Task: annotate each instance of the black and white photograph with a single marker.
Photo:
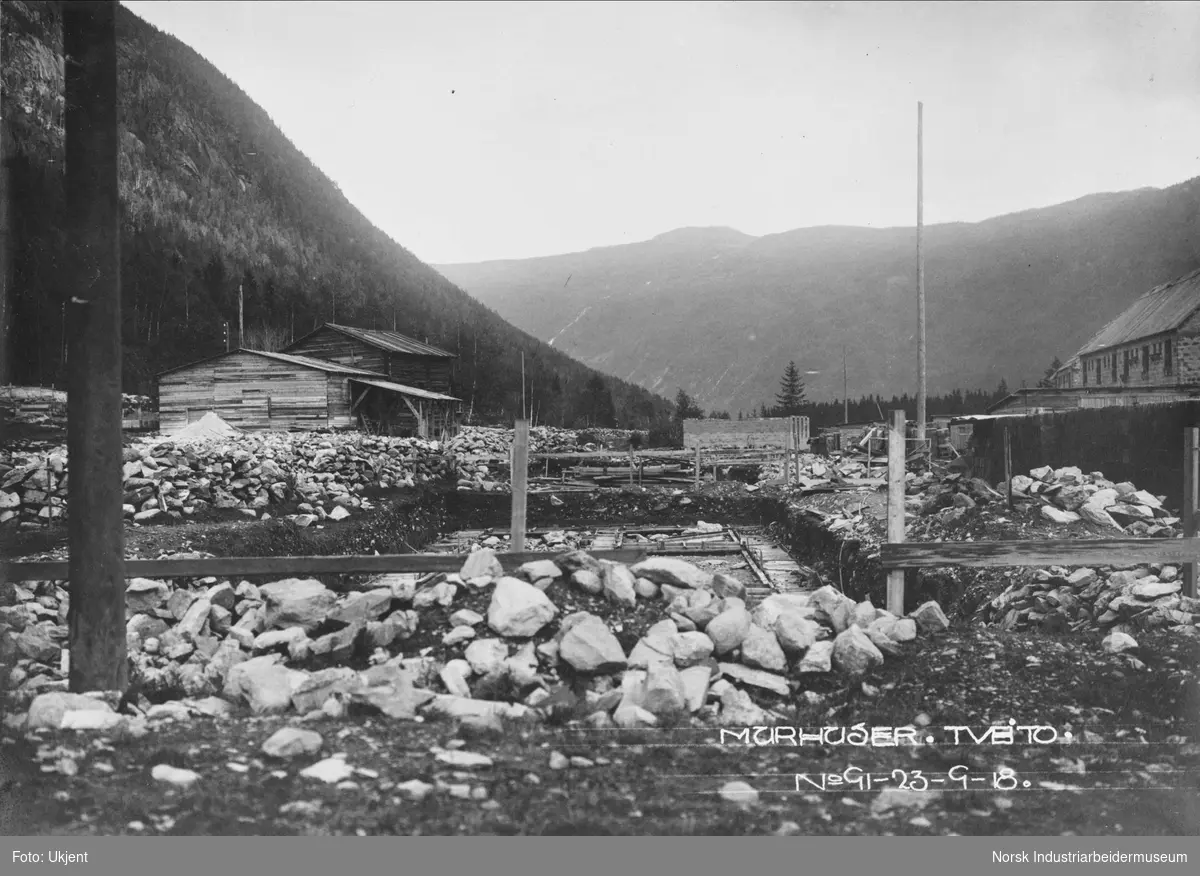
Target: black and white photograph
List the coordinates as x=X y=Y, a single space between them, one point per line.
x=574 y=419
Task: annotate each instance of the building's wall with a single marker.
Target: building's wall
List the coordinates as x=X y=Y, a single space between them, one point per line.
x=1148 y=359
x=333 y=346
x=248 y=391
x=1187 y=352
x=421 y=372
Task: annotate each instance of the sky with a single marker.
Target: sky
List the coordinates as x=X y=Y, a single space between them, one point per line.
x=471 y=131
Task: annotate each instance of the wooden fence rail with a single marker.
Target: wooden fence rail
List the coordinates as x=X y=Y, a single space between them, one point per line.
x=201 y=567
x=896 y=555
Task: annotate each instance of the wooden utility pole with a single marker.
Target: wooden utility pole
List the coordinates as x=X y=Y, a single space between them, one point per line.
x=920 y=275
x=523 y=415
x=845 y=389
x=895 y=509
x=96 y=564
x=519 y=479
x=241 y=322
x=1191 y=497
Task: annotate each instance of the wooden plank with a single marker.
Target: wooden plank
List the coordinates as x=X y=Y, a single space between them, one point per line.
x=1191 y=494
x=1065 y=552
x=96 y=616
x=520 y=482
x=895 y=509
x=335 y=565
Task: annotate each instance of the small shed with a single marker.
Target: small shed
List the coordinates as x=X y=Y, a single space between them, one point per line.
x=264 y=391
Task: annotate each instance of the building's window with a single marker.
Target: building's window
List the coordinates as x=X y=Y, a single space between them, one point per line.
x=1086 y=366
x=1145 y=363
x=1167 y=357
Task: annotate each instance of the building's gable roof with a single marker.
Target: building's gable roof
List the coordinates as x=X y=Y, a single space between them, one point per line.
x=1162 y=309
x=392 y=342
x=303 y=361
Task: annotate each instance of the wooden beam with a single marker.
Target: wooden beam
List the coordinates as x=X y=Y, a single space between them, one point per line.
x=1065 y=552
x=358 y=401
x=95 y=524
x=57 y=570
x=520 y=483
x=895 y=509
x=1191 y=497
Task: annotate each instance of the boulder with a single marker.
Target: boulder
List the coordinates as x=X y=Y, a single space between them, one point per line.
x=518 y=609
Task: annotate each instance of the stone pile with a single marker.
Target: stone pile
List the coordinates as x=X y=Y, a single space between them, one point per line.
x=818 y=471
x=1061 y=496
x=488 y=441
x=1141 y=598
x=227 y=646
x=327 y=473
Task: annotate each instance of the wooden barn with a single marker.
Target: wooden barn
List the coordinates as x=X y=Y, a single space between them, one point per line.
x=261 y=391
x=393 y=355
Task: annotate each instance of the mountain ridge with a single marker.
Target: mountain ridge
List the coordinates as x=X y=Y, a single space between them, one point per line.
x=1005 y=295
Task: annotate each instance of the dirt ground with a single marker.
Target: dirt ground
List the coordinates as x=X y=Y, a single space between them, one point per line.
x=1130 y=767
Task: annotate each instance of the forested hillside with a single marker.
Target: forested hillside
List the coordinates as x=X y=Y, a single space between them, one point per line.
x=216 y=197
x=721 y=313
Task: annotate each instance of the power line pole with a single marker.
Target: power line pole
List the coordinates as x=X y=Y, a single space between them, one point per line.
x=241 y=323
x=845 y=390
x=96 y=564
x=920 y=274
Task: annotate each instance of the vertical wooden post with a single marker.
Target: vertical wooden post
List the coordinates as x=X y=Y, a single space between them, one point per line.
x=96 y=616
x=631 y=465
x=520 y=477
x=1191 y=493
x=1008 y=466
x=697 y=465
x=895 y=509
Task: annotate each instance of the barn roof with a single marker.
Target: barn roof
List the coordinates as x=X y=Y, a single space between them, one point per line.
x=392 y=342
x=303 y=361
x=405 y=390
x=1162 y=309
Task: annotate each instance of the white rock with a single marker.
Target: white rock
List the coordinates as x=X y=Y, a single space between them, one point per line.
x=728 y=629
x=1117 y=643
x=486 y=656
x=818 y=658
x=48 y=710
x=690 y=649
x=756 y=678
x=289 y=742
x=795 y=632
x=619 y=583
x=539 y=569
x=174 y=776
x=739 y=793
x=330 y=770
x=664 y=690
x=696 y=681
x=590 y=646
x=481 y=564
x=1054 y=515
x=464 y=759
x=761 y=649
x=519 y=609
x=297 y=602
x=587 y=581
x=676 y=573
x=854 y=652
x=263 y=682
x=930 y=618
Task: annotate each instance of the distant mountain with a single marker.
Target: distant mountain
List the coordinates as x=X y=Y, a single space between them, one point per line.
x=215 y=196
x=721 y=313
